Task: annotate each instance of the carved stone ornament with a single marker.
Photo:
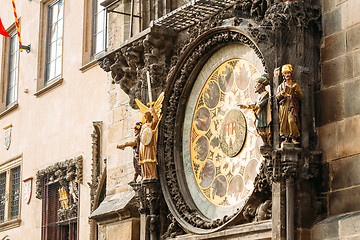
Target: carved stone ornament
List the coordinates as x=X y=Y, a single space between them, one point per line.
x=129 y=64
x=7 y=137
x=96 y=162
x=27 y=189
x=294 y=13
x=62 y=172
x=65 y=214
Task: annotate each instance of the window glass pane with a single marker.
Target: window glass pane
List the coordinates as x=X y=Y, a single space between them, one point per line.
x=52 y=52
x=53 y=12
x=15 y=193
x=60 y=10
x=2 y=196
x=58 y=67
x=51 y=70
x=99 y=28
x=100 y=22
x=60 y=28
x=59 y=48
x=99 y=42
x=11 y=93
x=53 y=32
x=54 y=42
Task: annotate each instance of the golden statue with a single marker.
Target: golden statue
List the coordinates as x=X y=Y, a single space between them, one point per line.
x=289 y=95
x=148 y=138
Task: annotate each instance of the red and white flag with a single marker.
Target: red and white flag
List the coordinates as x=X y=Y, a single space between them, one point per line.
x=2 y=30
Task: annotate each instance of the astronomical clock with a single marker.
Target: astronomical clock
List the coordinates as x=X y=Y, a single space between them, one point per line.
x=217 y=147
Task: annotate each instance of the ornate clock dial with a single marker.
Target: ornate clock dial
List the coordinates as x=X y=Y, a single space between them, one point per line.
x=220 y=143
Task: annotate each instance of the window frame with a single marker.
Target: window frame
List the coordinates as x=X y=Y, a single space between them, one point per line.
x=15 y=69
x=89 y=58
x=47 y=79
x=51 y=204
x=43 y=84
x=4 y=107
x=94 y=32
x=7 y=168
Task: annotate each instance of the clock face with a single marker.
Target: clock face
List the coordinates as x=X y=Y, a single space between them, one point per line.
x=220 y=142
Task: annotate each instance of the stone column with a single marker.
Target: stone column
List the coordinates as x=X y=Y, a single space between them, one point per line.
x=148 y=196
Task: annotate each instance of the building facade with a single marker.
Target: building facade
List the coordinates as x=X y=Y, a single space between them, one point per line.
x=220 y=174
x=53 y=119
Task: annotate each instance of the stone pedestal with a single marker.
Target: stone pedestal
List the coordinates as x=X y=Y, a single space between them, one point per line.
x=148 y=196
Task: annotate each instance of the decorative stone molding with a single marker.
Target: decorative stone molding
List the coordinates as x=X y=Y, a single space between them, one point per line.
x=148 y=195
x=95 y=163
x=69 y=213
x=62 y=172
x=294 y=13
x=128 y=65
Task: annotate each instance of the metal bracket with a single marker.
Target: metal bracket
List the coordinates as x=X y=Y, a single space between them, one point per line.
x=26 y=48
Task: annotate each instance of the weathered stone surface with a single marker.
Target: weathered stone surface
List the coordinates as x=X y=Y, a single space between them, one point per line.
x=337 y=70
x=356 y=66
x=348 y=133
x=120 y=114
x=326 y=229
x=334 y=46
x=116 y=132
x=350 y=13
x=338 y=2
x=340 y=201
x=328 y=5
x=329 y=105
x=332 y=21
x=345 y=172
x=260 y=230
x=328 y=141
x=352 y=40
x=350 y=226
x=352 y=98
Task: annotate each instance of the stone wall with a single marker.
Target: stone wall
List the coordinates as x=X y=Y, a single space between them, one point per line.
x=338 y=118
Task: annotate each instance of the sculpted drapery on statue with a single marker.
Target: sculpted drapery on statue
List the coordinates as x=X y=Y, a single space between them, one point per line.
x=148 y=138
x=261 y=109
x=288 y=95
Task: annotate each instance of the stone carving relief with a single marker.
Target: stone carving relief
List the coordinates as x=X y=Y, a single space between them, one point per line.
x=96 y=162
x=68 y=174
x=297 y=13
x=62 y=172
x=128 y=66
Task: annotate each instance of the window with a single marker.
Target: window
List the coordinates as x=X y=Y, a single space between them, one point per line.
x=49 y=72
x=54 y=41
x=10 y=189
x=94 y=33
x=52 y=225
x=9 y=72
x=99 y=27
x=11 y=90
x=58 y=188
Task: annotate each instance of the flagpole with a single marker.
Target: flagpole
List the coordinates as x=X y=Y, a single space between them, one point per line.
x=17 y=24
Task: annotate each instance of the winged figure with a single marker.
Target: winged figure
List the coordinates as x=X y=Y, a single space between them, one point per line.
x=148 y=138
x=157 y=106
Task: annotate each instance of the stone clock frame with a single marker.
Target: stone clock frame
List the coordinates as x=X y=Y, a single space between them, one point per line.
x=171 y=172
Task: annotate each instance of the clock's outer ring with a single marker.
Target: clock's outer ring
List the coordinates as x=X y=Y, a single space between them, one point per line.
x=180 y=80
